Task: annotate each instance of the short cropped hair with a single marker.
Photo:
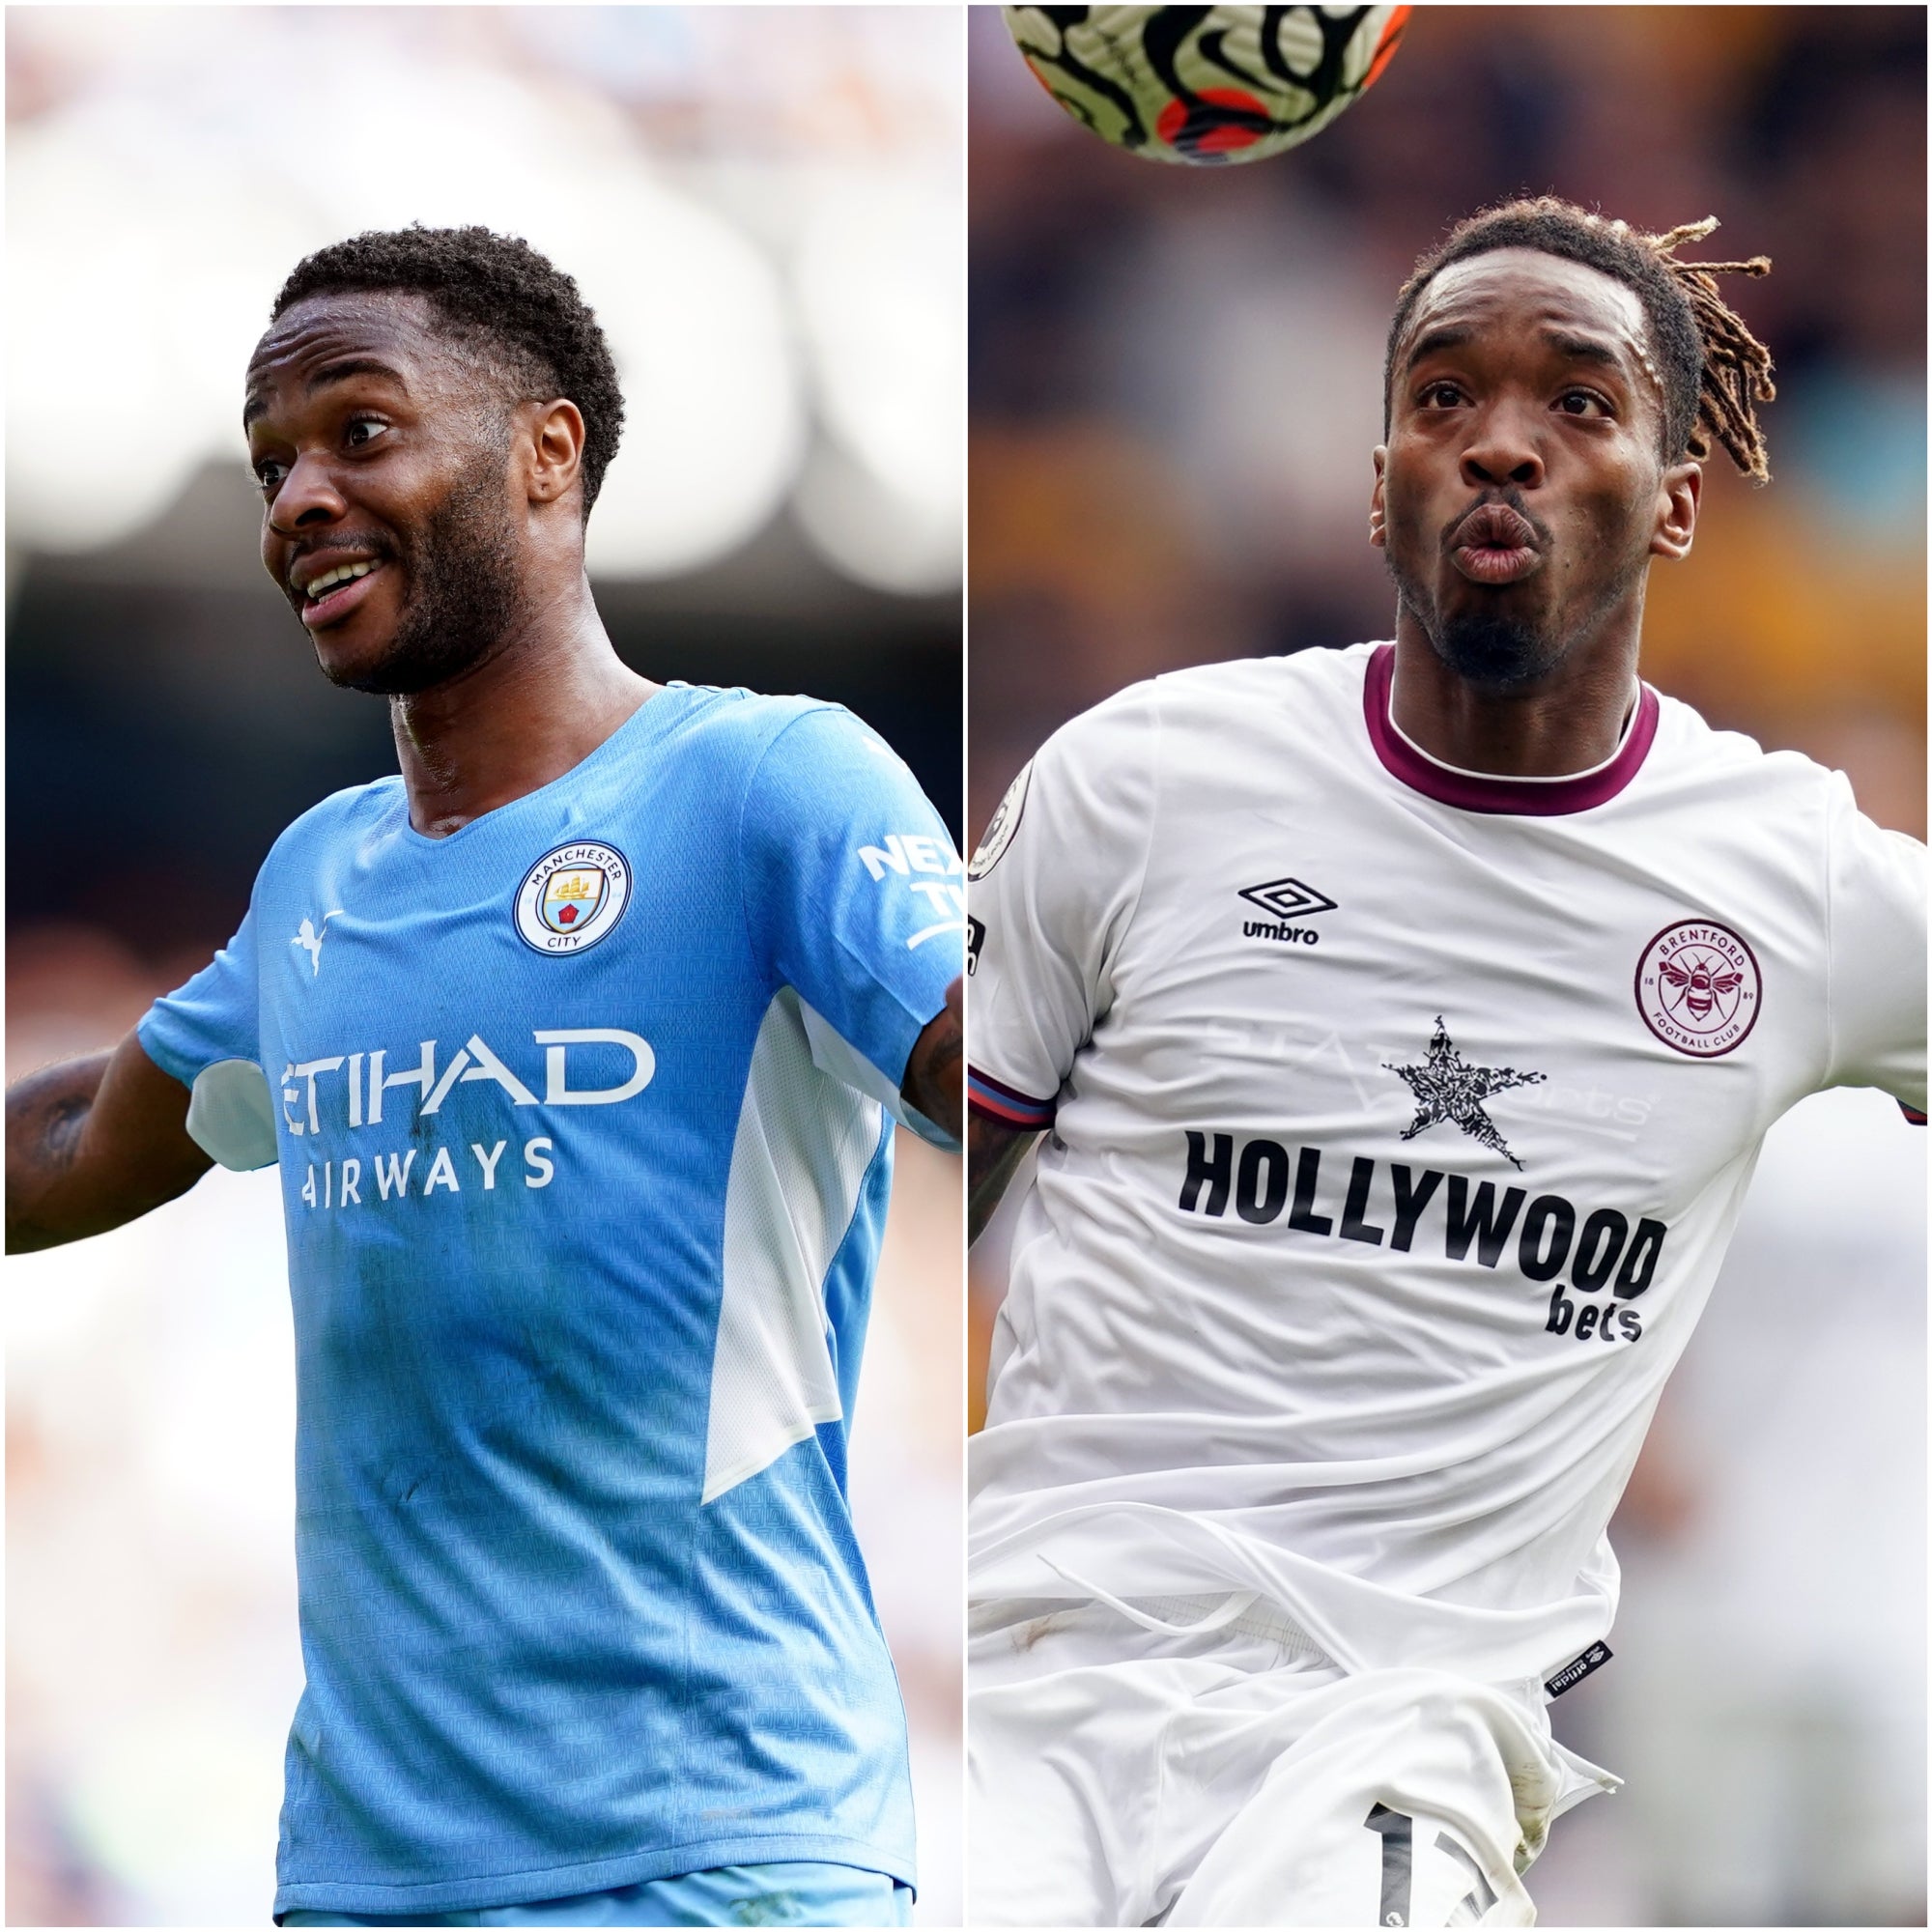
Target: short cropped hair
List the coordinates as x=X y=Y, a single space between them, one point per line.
x=495 y=293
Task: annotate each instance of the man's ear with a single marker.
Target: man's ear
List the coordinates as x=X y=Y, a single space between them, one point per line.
x=556 y=450
x=1377 y=529
x=1677 y=493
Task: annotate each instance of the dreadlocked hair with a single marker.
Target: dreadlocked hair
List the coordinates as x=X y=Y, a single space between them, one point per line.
x=494 y=293
x=1713 y=370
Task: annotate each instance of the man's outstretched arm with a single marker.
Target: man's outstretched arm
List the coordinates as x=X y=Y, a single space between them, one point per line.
x=91 y=1143
x=933 y=1082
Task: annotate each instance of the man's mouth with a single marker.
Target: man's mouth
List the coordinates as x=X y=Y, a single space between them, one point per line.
x=1494 y=544
x=331 y=594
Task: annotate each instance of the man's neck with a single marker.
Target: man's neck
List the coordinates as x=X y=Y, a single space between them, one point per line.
x=1569 y=721
x=537 y=706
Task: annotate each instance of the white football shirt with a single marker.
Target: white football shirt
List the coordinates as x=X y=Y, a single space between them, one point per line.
x=1399 y=1118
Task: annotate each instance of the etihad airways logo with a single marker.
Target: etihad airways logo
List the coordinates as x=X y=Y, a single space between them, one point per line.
x=583 y=1066
x=356 y=1087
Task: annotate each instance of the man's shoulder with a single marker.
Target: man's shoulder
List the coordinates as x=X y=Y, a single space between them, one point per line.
x=729 y=725
x=347 y=812
x=1302 y=677
x=1692 y=754
x=735 y=711
x=1329 y=671
x=1205 y=701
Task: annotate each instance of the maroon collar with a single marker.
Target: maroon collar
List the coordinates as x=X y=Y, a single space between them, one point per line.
x=1475 y=791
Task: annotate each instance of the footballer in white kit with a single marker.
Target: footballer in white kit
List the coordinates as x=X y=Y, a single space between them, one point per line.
x=1398 y=1108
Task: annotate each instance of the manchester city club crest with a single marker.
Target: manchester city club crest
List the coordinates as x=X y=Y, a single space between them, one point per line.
x=1698 y=989
x=573 y=896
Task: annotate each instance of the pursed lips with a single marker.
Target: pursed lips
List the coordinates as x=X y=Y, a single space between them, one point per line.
x=1495 y=545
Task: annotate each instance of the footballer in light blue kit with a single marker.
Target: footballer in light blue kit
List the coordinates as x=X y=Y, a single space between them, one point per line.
x=580 y=1045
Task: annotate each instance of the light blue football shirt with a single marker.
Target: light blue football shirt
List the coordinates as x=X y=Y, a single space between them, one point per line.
x=582 y=1120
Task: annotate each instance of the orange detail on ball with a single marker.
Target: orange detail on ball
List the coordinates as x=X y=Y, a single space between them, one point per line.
x=1221 y=140
x=1385 y=47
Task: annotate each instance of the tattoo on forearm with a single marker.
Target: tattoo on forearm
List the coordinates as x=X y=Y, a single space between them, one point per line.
x=61 y=1129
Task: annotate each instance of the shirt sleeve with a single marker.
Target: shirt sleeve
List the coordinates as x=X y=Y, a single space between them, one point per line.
x=1053 y=887
x=207 y=1035
x=1876 y=956
x=855 y=898
x=213 y=1017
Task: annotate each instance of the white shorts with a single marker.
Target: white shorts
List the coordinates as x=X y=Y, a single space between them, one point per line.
x=1126 y=1776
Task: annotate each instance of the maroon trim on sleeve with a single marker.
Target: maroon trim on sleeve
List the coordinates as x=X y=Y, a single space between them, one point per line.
x=1912 y=1113
x=1005 y=1104
x=1469 y=791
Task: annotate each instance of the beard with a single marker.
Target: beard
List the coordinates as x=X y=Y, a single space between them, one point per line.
x=466 y=589
x=1502 y=650
x=1488 y=648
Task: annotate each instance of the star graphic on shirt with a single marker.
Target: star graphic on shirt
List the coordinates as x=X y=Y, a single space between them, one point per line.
x=1447 y=1088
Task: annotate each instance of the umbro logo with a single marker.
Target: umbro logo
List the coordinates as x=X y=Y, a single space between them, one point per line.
x=1286 y=900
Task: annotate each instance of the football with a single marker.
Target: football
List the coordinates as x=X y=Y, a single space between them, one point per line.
x=1205 y=85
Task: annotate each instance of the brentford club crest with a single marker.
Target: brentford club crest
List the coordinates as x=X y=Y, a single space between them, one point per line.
x=573 y=896
x=1698 y=989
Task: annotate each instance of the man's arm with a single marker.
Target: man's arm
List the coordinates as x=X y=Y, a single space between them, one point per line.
x=932 y=1081
x=994 y=1152
x=92 y=1143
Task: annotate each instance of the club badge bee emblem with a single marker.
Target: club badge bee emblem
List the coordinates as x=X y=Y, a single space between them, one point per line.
x=1698 y=989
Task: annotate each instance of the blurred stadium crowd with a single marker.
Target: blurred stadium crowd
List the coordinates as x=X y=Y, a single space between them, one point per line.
x=1175 y=381
x=764 y=206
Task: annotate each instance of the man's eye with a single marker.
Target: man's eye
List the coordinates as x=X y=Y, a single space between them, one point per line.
x=362 y=431
x=269 y=473
x=1582 y=402
x=1439 y=396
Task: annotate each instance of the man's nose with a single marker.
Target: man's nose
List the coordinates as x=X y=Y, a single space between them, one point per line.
x=1502 y=451
x=308 y=497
